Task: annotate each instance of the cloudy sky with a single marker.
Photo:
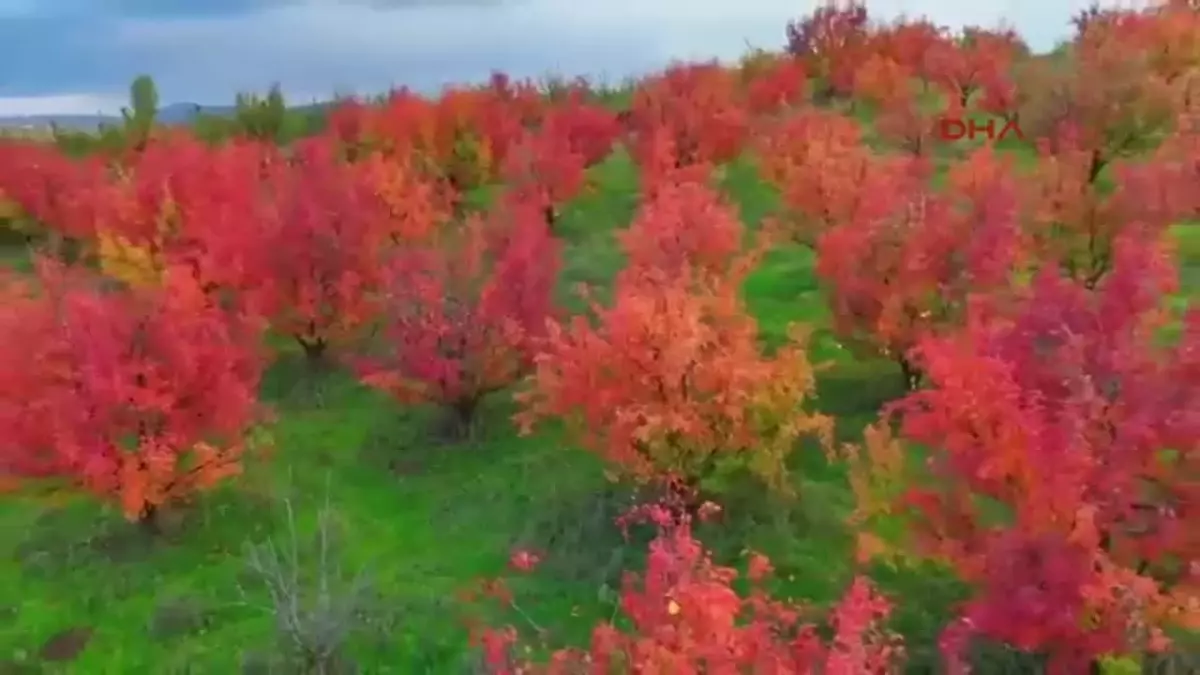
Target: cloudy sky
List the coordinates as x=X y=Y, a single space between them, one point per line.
x=78 y=56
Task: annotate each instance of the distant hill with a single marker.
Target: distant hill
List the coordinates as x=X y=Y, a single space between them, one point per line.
x=176 y=113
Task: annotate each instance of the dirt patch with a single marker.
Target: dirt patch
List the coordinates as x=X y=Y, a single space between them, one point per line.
x=66 y=645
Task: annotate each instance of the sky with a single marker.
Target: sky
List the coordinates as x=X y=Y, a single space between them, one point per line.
x=78 y=56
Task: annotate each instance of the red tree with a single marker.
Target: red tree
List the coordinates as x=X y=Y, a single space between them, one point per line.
x=683 y=617
x=181 y=202
x=589 y=130
x=65 y=195
x=697 y=107
x=977 y=60
x=775 y=84
x=545 y=170
x=1064 y=450
x=461 y=315
x=320 y=254
x=141 y=397
x=1074 y=220
x=908 y=266
x=832 y=42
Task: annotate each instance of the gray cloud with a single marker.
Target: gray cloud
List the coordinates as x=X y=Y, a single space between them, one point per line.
x=207 y=51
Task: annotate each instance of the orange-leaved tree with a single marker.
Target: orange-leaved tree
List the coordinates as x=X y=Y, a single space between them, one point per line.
x=1107 y=99
x=140 y=397
x=687 y=228
x=818 y=161
x=459 y=139
x=461 y=315
x=1063 y=445
x=669 y=382
x=1074 y=220
x=902 y=117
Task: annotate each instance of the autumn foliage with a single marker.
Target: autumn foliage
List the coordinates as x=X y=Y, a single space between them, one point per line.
x=695 y=108
x=184 y=204
x=907 y=263
x=682 y=615
x=817 y=161
x=48 y=187
x=832 y=42
x=320 y=255
x=1067 y=413
x=670 y=382
x=462 y=315
x=1043 y=452
x=138 y=398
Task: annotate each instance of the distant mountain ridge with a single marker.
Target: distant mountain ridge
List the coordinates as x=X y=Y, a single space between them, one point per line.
x=176 y=113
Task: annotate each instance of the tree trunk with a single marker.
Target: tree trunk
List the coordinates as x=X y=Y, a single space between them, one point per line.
x=912 y=375
x=314 y=350
x=462 y=419
x=550 y=214
x=149 y=522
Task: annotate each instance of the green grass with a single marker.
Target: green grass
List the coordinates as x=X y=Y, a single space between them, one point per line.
x=426 y=519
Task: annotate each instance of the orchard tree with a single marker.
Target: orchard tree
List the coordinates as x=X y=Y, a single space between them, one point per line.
x=825 y=174
x=775 y=84
x=1074 y=220
x=832 y=42
x=589 y=130
x=696 y=107
x=320 y=262
x=661 y=166
x=141 y=398
x=1060 y=479
x=909 y=267
x=686 y=229
x=461 y=138
x=69 y=198
x=462 y=315
x=544 y=170
x=910 y=44
x=184 y=203
x=1106 y=99
x=975 y=61
x=669 y=383
x=901 y=116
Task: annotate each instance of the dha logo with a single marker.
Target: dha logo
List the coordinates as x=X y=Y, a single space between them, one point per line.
x=953 y=129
